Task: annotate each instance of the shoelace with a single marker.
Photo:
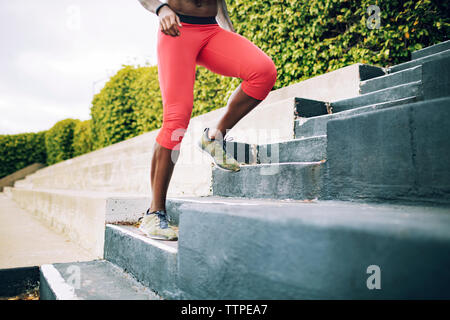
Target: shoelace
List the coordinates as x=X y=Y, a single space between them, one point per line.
x=227 y=139
x=163 y=218
x=163 y=221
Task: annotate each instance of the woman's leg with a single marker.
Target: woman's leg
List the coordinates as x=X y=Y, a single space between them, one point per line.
x=176 y=73
x=161 y=173
x=230 y=54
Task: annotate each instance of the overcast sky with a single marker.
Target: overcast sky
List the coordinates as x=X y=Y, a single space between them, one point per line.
x=55 y=53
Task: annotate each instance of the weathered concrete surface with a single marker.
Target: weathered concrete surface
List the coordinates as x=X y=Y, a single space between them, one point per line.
x=391 y=80
x=9 y=180
x=419 y=61
x=289 y=180
x=308 y=108
x=439 y=47
x=80 y=216
x=399 y=153
x=313 y=251
x=7 y=192
x=27 y=241
x=266 y=123
x=273 y=119
x=412 y=89
x=316 y=126
x=152 y=262
x=98 y=280
x=296 y=150
x=436 y=78
x=335 y=85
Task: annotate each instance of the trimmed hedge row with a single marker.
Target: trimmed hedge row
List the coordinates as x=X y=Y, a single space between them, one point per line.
x=66 y=139
x=59 y=141
x=309 y=38
x=18 y=151
x=82 y=138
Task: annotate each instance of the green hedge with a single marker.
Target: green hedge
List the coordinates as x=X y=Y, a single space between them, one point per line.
x=112 y=111
x=309 y=38
x=82 y=138
x=304 y=38
x=66 y=139
x=59 y=141
x=20 y=150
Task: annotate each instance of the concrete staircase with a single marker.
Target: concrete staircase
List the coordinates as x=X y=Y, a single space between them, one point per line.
x=79 y=195
x=352 y=188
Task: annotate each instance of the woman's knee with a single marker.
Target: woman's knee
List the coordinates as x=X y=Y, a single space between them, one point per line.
x=172 y=131
x=261 y=80
x=269 y=71
x=264 y=72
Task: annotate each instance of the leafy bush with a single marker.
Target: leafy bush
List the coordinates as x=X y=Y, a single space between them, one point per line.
x=20 y=150
x=112 y=111
x=59 y=141
x=82 y=138
x=309 y=38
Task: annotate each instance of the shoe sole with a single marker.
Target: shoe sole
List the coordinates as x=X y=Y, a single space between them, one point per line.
x=214 y=160
x=155 y=237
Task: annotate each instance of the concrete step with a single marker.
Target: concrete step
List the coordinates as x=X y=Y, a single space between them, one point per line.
x=23 y=183
x=8 y=181
x=93 y=280
x=308 y=108
x=152 y=262
x=7 y=191
x=273 y=120
x=385 y=95
x=395 y=154
x=443 y=46
x=419 y=61
x=292 y=150
x=317 y=126
x=81 y=215
x=317 y=250
x=391 y=80
x=289 y=180
x=436 y=78
x=296 y=150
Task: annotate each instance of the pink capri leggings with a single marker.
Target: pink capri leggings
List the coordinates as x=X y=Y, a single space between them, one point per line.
x=205 y=43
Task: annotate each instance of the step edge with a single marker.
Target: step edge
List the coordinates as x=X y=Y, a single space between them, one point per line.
x=390 y=74
x=57 y=284
x=424 y=50
x=411 y=84
x=318 y=137
x=415 y=60
x=344 y=113
x=149 y=241
x=305 y=163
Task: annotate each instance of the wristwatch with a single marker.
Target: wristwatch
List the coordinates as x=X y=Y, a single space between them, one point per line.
x=160 y=6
